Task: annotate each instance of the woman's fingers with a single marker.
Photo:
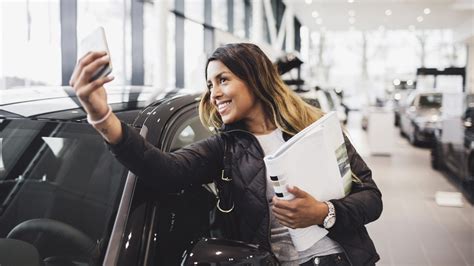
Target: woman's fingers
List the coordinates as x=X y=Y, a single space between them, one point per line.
x=84 y=62
x=91 y=68
x=83 y=92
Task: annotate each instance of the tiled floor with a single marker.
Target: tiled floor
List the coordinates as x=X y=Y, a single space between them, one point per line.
x=413 y=229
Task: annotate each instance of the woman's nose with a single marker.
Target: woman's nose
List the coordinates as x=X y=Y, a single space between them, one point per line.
x=215 y=92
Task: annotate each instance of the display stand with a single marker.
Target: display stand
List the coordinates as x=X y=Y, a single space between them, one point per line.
x=381 y=131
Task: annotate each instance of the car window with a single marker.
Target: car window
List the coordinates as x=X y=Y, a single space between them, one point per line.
x=59 y=188
x=189 y=130
x=430 y=101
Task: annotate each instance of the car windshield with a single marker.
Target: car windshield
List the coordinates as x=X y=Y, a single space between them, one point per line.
x=59 y=188
x=430 y=101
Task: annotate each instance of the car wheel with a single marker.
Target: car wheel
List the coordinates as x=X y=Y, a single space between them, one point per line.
x=436 y=161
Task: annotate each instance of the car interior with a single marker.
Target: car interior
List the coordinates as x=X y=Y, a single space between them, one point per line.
x=59 y=200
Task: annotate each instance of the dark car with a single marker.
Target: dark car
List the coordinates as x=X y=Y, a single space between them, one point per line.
x=457 y=155
x=421 y=116
x=65 y=200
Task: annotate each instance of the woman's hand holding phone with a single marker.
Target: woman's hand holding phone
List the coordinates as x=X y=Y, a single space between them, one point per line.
x=93 y=97
x=91 y=94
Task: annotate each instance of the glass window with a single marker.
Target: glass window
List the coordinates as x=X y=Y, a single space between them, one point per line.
x=194 y=9
x=114 y=16
x=194 y=56
x=239 y=18
x=31 y=43
x=190 y=131
x=151 y=38
x=430 y=101
x=71 y=177
x=219 y=14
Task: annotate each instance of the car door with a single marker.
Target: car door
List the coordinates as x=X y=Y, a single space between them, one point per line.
x=161 y=225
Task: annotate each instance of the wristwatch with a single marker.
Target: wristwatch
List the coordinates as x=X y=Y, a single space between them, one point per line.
x=330 y=220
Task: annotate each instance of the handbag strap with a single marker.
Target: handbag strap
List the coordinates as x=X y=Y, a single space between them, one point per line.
x=225 y=203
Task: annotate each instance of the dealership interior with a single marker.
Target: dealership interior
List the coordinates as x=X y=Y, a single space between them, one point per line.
x=399 y=74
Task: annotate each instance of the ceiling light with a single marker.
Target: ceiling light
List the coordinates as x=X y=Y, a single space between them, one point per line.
x=351 y=13
x=409 y=82
x=396 y=82
x=411 y=28
x=315 y=14
x=350 y=1
x=427 y=11
x=319 y=21
x=419 y=19
x=352 y=20
x=309 y=2
x=388 y=12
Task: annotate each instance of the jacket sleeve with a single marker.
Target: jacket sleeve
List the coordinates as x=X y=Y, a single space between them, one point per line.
x=364 y=203
x=197 y=163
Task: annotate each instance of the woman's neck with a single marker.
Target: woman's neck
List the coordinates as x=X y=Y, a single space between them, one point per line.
x=260 y=127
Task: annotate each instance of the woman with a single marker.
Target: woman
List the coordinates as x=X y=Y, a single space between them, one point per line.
x=255 y=113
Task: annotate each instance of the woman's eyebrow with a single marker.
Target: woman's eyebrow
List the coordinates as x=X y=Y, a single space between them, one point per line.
x=218 y=75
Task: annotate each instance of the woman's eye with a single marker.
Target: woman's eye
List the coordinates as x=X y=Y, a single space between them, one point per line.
x=222 y=80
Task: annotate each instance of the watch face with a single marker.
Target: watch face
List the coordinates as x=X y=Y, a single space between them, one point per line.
x=330 y=222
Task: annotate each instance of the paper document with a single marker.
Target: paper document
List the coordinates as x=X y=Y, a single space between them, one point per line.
x=316 y=161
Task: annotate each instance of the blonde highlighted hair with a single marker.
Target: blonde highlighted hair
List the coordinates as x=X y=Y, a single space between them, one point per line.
x=247 y=61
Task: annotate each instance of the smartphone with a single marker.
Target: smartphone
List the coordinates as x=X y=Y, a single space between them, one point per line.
x=96 y=41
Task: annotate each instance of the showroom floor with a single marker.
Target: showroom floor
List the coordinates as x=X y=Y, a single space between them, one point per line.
x=413 y=229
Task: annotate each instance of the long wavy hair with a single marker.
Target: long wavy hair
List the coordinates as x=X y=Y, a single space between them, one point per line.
x=247 y=61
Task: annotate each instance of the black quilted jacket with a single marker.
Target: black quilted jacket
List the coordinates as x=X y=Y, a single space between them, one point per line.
x=203 y=162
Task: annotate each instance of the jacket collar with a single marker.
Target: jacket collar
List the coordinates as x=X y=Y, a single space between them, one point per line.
x=239 y=125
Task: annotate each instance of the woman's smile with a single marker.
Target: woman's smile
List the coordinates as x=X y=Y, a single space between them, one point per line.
x=223 y=106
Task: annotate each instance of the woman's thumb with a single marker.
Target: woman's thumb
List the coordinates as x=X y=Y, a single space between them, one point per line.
x=296 y=191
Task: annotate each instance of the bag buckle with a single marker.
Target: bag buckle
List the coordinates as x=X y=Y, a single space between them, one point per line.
x=225 y=178
x=222 y=210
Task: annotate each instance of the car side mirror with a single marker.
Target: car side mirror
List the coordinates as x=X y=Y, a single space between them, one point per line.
x=212 y=251
x=17 y=252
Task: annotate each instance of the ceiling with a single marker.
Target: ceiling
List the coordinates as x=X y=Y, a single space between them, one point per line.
x=336 y=15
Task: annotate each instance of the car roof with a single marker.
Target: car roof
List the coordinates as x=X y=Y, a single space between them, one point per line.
x=61 y=102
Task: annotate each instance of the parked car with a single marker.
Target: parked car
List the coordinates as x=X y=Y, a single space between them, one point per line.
x=401 y=90
x=65 y=200
x=457 y=155
x=420 y=116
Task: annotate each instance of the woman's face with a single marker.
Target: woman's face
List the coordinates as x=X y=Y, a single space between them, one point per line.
x=230 y=95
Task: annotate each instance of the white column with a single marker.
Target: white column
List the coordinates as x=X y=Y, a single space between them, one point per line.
x=290 y=29
x=470 y=67
x=257 y=21
x=160 y=69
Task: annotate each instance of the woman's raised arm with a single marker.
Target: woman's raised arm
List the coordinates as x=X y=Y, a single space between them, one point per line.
x=93 y=96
